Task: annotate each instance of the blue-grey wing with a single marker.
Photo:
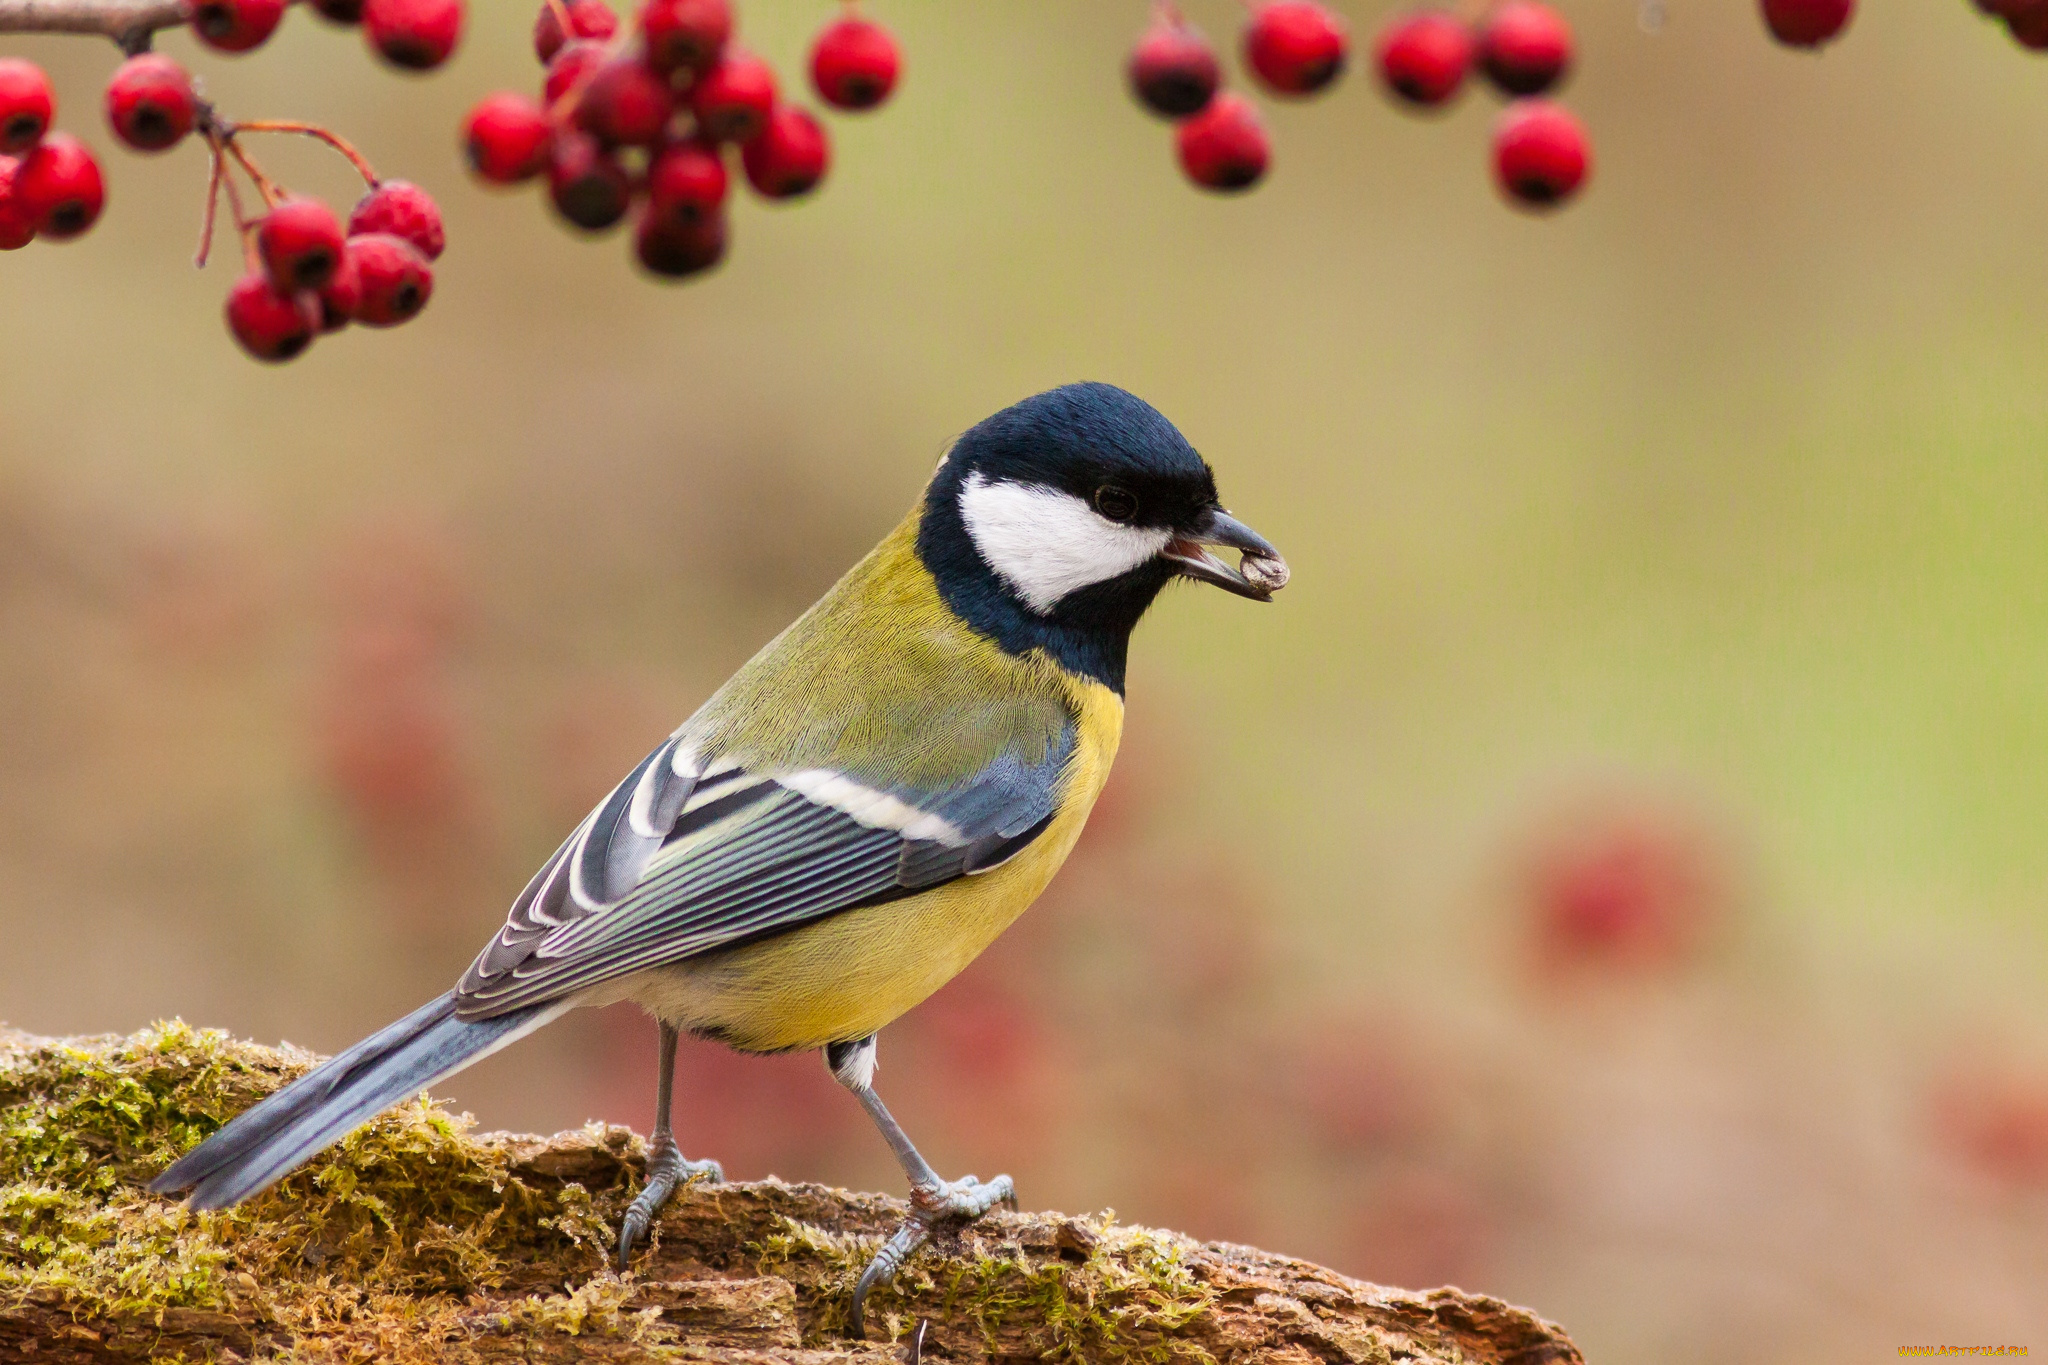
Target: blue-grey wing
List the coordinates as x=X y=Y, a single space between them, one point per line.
x=686 y=856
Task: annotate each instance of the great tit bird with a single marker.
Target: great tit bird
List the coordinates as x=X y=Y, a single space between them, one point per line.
x=850 y=819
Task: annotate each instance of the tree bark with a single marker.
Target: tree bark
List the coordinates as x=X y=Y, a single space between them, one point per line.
x=415 y=1241
x=127 y=22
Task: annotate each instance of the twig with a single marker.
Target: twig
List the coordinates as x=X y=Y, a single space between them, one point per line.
x=217 y=172
x=128 y=22
x=332 y=139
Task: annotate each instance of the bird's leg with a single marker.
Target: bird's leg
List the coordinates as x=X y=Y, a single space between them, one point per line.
x=665 y=1162
x=934 y=1203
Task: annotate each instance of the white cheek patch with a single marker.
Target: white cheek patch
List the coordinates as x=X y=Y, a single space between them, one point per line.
x=1045 y=543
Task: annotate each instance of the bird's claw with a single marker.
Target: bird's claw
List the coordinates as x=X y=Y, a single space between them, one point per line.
x=666 y=1168
x=953 y=1204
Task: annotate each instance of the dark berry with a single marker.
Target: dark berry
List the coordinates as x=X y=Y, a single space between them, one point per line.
x=789 y=156
x=26 y=105
x=1295 y=46
x=339 y=11
x=150 y=102
x=734 y=99
x=1807 y=23
x=341 y=296
x=234 y=25
x=402 y=209
x=854 y=64
x=673 y=251
x=2029 y=26
x=1540 y=153
x=592 y=19
x=626 y=104
x=685 y=35
x=686 y=183
x=59 y=186
x=1173 y=69
x=1525 y=47
x=1224 y=147
x=418 y=35
x=17 y=227
x=586 y=183
x=506 y=138
x=572 y=63
x=396 y=279
x=1423 y=56
x=301 y=243
x=272 y=325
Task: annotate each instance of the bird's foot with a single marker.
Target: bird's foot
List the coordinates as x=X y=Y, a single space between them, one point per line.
x=952 y=1205
x=666 y=1168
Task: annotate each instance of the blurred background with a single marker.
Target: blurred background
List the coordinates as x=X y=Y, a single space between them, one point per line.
x=1614 y=875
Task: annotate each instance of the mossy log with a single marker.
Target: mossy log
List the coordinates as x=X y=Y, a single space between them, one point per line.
x=416 y=1241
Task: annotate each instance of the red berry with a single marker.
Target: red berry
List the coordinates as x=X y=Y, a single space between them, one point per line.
x=59 y=186
x=396 y=279
x=402 y=209
x=790 y=155
x=341 y=296
x=587 y=19
x=854 y=64
x=1295 y=46
x=506 y=137
x=234 y=25
x=17 y=227
x=418 y=35
x=26 y=105
x=571 y=65
x=150 y=102
x=685 y=34
x=626 y=104
x=673 y=251
x=586 y=182
x=1173 y=68
x=686 y=184
x=1807 y=23
x=2029 y=26
x=340 y=11
x=734 y=99
x=271 y=324
x=1423 y=56
x=1525 y=46
x=300 y=242
x=1539 y=152
x=1224 y=147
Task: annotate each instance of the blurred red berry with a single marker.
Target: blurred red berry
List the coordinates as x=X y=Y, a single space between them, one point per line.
x=686 y=184
x=301 y=243
x=1540 y=153
x=1636 y=889
x=234 y=25
x=150 y=102
x=339 y=11
x=572 y=64
x=1173 y=69
x=1423 y=56
x=1995 y=1119
x=402 y=209
x=418 y=35
x=26 y=105
x=271 y=324
x=59 y=186
x=854 y=64
x=17 y=227
x=1525 y=47
x=586 y=183
x=1807 y=23
x=506 y=138
x=675 y=251
x=2029 y=25
x=1295 y=46
x=396 y=279
x=685 y=35
x=592 y=19
x=735 y=98
x=341 y=295
x=626 y=104
x=1224 y=147
x=790 y=155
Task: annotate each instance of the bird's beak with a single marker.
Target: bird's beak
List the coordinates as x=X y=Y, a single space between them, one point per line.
x=1261 y=571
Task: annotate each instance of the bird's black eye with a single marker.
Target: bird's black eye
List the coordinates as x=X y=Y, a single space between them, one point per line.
x=1118 y=504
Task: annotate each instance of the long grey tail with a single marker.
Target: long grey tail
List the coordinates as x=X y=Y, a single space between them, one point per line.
x=274 y=1138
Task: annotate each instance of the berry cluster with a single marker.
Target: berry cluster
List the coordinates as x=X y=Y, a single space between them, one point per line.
x=417 y=35
x=652 y=116
x=50 y=185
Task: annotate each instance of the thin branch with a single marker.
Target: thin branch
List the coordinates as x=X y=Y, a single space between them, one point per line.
x=128 y=22
x=332 y=139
